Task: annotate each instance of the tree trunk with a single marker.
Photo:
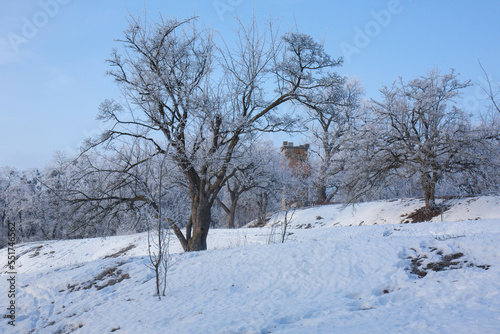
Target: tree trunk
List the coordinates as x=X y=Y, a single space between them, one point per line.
x=321 y=193
x=325 y=165
x=262 y=202
x=429 y=187
x=200 y=219
x=232 y=209
x=232 y=214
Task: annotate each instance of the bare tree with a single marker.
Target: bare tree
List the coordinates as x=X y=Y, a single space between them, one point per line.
x=287 y=219
x=334 y=112
x=159 y=241
x=205 y=101
x=421 y=132
x=258 y=169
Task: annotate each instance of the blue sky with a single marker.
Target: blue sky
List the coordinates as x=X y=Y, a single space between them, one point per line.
x=53 y=52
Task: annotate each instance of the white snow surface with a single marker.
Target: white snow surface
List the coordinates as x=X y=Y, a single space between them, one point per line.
x=388 y=212
x=333 y=278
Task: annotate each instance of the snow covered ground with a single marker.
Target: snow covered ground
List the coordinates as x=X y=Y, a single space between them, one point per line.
x=390 y=212
x=380 y=277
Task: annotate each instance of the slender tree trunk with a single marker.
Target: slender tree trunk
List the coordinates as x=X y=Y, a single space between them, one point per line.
x=232 y=214
x=262 y=202
x=235 y=196
x=321 y=187
x=231 y=211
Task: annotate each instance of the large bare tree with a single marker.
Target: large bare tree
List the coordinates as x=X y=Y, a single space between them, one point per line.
x=422 y=132
x=204 y=99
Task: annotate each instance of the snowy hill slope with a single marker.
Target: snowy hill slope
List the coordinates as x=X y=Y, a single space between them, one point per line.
x=414 y=278
x=390 y=212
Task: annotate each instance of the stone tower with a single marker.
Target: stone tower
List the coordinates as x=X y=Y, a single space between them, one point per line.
x=297 y=162
x=297 y=158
